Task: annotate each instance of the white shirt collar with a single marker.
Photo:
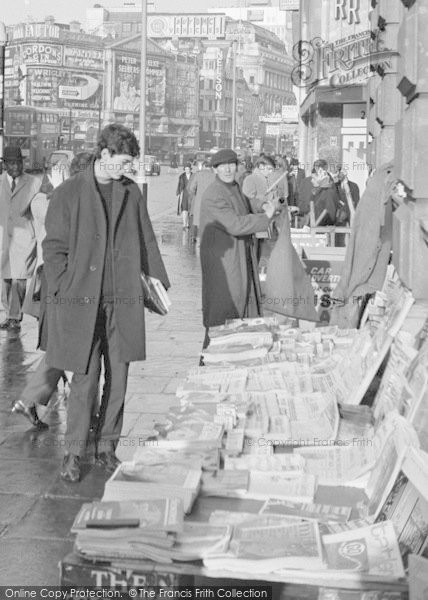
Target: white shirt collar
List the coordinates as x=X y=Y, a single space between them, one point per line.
x=10 y=179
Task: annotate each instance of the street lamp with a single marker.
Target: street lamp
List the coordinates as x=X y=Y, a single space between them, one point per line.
x=3 y=40
x=141 y=178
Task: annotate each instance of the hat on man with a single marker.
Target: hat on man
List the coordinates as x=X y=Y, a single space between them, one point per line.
x=224 y=156
x=12 y=153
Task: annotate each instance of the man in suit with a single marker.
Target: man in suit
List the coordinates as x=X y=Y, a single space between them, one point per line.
x=295 y=177
x=17 y=235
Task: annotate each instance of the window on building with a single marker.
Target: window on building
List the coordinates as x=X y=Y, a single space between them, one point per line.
x=126 y=27
x=252 y=79
x=139 y=26
x=210 y=105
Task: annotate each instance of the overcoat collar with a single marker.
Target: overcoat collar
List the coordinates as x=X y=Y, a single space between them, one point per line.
x=22 y=181
x=120 y=194
x=237 y=197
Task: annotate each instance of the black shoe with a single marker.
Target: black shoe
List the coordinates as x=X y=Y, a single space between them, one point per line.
x=14 y=325
x=70 y=470
x=108 y=460
x=30 y=413
x=5 y=324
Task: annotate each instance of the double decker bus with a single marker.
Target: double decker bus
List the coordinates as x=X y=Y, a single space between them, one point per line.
x=35 y=130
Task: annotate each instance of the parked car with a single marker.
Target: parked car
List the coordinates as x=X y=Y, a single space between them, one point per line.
x=152 y=165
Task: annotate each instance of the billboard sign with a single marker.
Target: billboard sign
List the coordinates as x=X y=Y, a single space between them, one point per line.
x=127 y=78
x=41 y=54
x=187 y=26
x=289 y=4
x=83 y=58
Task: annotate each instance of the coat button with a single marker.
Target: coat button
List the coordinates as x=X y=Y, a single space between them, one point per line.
x=86 y=299
x=98 y=237
x=92 y=268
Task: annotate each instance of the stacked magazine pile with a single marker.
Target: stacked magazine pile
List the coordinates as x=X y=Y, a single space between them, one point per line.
x=134 y=481
x=128 y=528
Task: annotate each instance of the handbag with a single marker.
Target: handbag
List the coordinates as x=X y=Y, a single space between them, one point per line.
x=154 y=298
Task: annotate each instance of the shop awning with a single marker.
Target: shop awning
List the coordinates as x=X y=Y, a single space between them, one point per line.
x=333 y=95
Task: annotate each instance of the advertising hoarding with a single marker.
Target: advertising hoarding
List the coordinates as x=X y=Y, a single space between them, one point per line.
x=127 y=91
x=192 y=26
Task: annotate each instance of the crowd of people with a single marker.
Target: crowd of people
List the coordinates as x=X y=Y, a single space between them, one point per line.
x=73 y=249
x=325 y=197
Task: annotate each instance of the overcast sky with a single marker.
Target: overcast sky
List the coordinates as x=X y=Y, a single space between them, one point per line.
x=64 y=11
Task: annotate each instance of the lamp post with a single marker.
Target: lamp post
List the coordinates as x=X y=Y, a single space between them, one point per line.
x=3 y=40
x=233 y=95
x=141 y=177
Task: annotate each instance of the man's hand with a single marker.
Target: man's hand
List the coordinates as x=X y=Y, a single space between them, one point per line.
x=269 y=208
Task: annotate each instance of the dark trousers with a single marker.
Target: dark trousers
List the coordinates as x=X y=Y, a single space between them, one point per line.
x=12 y=296
x=43 y=383
x=84 y=387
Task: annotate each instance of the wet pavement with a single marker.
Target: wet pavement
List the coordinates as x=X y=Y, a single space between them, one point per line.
x=36 y=507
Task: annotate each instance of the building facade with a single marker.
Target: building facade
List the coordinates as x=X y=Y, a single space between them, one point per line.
x=55 y=66
x=217 y=42
x=336 y=46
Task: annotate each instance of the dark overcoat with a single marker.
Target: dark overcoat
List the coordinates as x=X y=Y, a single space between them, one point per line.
x=74 y=251
x=227 y=226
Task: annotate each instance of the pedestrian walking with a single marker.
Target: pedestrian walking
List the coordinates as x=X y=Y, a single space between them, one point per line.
x=99 y=238
x=320 y=191
x=44 y=380
x=197 y=186
x=183 y=194
x=17 y=235
x=230 y=281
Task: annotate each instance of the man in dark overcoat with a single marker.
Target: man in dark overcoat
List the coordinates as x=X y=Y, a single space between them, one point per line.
x=98 y=240
x=230 y=281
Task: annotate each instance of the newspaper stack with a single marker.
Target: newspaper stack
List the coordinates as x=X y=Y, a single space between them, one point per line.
x=190 y=427
x=128 y=529
x=207 y=459
x=133 y=481
x=263 y=544
x=238 y=347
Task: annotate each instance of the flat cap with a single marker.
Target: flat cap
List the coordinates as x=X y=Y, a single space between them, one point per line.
x=12 y=153
x=223 y=157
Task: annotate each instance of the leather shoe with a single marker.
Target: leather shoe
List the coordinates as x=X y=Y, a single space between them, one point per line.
x=30 y=413
x=5 y=324
x=70 y=470
x=14 y=325
x=107 y=460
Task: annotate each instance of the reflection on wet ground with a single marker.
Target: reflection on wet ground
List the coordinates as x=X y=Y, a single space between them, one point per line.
x=36 y=507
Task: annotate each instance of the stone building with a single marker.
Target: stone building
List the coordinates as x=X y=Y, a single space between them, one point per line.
x=336 y=47
x=398 y=128
x=57 y=66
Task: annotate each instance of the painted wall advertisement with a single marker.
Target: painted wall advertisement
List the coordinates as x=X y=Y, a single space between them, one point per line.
x=35 y=73
x=127 y=91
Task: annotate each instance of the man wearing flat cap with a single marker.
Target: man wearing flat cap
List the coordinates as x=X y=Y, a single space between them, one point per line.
x=17 y=236
x=230 y=282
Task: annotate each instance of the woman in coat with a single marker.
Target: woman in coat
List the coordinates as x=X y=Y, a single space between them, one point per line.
x=44 y=380
x=184 y=195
